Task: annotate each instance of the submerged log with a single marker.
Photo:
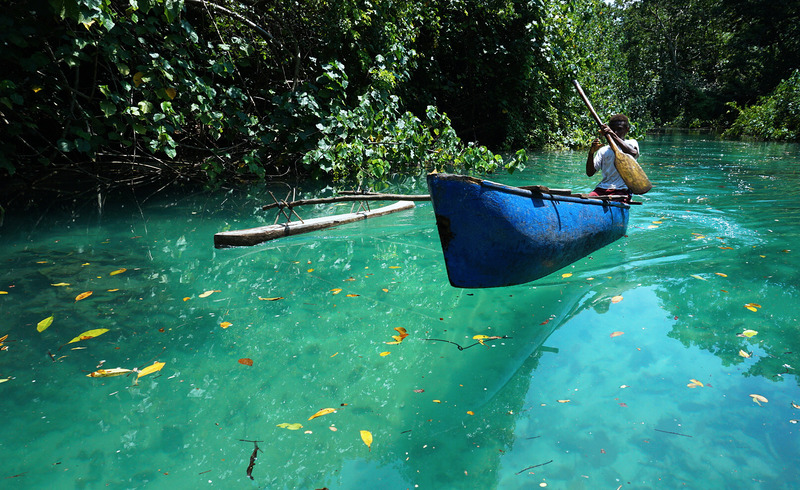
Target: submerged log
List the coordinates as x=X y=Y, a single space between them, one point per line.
x=254 y=236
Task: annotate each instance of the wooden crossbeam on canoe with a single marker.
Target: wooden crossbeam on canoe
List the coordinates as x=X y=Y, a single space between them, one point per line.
x=254 y=236
x=347 y=198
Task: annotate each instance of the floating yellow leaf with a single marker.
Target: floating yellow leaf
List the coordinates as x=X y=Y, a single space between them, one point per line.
x=60 y=284
x=83 y=295
x=3 y=292
x=566 y=275
x=386 y=353
x=366 y=436
x=758 y=399
x=480 y=337
x=156 y=366
x=720 y=274
x=744 y=354
x=394 y=267
x=336 y=290
x=206 y=294
x=795 y=405
x=749 y=333
x=4 y=380
x=310 y=270
x=107 y=373
x=112 y=290
x=616 y=334
x=42 y=325
x=225 y=324
x=470 y=412
x=437 y=401
x=698 y=383
x=187 y=298
x=118 y=271
x=290 y=426
x=352 y=295
x=699 y=277
x=616 y=299
x=324 y=411
x=89 y=334
x=564 y=401
x=271 y=299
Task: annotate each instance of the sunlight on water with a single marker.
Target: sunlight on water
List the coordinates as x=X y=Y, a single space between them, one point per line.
x=558 y=400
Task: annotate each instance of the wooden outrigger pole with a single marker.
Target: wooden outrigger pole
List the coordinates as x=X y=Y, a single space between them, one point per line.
x=254 y=236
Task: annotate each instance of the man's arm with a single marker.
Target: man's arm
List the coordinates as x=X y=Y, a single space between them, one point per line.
x=590 y=170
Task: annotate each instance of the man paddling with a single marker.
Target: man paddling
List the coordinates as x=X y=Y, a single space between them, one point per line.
x=602 y=158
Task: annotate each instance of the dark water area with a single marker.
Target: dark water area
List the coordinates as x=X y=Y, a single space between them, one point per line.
x=665 y=360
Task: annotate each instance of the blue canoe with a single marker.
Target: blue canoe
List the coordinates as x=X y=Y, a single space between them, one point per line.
x=496 y=235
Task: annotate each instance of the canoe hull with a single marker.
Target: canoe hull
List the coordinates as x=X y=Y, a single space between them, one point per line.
x=494 y=235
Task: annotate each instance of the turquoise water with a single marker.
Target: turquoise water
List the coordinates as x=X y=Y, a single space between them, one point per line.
x=563 y=402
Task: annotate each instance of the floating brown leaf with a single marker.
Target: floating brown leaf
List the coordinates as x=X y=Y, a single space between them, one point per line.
x=246 y=361
x=616 y=334
x=270 y=299
x=83 y=295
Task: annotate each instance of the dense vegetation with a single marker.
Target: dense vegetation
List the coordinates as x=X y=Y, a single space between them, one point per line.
x=116 y=92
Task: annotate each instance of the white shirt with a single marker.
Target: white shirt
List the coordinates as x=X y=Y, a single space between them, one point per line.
x=604 y=161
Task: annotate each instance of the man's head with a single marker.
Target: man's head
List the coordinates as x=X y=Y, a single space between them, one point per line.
x=619 y=124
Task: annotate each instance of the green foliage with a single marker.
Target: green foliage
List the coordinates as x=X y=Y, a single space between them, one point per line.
x=776 y=117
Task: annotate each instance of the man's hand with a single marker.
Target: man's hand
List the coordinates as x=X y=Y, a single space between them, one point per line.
x=596 y=145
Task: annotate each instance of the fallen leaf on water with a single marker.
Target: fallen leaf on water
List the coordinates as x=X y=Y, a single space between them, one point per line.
x=60 y=284
x=418 y=390
x=470 y=412
x=616 y=334
x=83 y=295
x=699 y=277
x=107 y=373
x=748 y=333
x=336 y=290
x=310 y=270
x=616 y=299
x=720 y=274
x=437 y=401
x=698 y=383
x=480 y=337
x=324 y=411
x=744 y=354
x=206 y=294
x=225 y=324
x=112 y=290
x=366 y=436
x=286 y=425
x=386 y=353
x=4 y=380
x=42 y=325
x=394 y=267
x=564 y=401
x=246 y=361
x=566 y=275
x=726 y=248
x=118 y=271
x=795 y=405
x=271 y=299
x=333 y=429
x=156 y=366
x=89 y=334
x=351 y=295
x=187 y=298
x=758 y=399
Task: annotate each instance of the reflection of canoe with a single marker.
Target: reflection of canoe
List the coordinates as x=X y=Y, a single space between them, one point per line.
x=254 y=236
x=497 y=235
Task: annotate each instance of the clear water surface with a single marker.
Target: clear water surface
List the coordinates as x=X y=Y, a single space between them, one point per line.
x=628 y=373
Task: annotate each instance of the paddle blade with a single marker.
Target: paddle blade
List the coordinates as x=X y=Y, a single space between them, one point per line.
x=631 y=173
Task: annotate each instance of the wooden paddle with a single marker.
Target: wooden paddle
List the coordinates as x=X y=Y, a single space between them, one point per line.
x=626 y=165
